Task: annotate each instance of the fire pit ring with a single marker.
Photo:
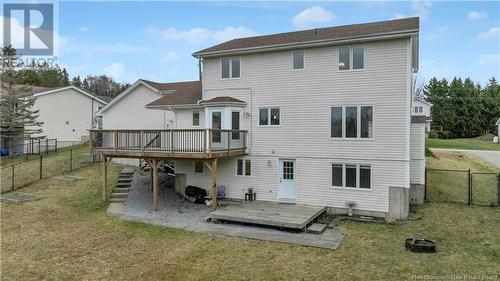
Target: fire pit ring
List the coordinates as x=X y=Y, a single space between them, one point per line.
x=420 y=245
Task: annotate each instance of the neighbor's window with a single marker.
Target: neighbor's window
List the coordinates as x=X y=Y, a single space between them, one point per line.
x=230 y=68
x=198 y=167
x=269 y=116
x=337 y=177
x=354 y=122
x=298 y=59
x=351 y=58
x=420 y=109
x=356 y=176
x=196 y=118
x=243 y=167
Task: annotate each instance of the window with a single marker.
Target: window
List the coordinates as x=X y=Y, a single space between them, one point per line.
x=230 y=68
x=269 y=116
x=351 y=58
x=198 y=167
x=243 y=167
x=352 y=122
x=351 y=176
x=235 y=124
x=420 y=109
x=196 y=118
x=366 y=122
x=336 y=122
x=298 y=59
x=337 y=175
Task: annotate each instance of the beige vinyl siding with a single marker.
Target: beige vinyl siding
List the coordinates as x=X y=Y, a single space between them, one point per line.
x=304 y=98
x=184 y=118
x=417 y=153
x=130 y=113
x=69 y=106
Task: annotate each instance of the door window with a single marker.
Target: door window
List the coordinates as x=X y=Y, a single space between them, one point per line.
x=216 y=125
x=288 y=170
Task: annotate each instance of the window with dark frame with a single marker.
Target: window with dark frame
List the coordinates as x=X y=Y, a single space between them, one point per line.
x=269 y=116
x=239 y=167
x=198 y=167
x=196 y=118
x=230 y=67
x=248 y=167
x=243 y=167
x=235 y=124
x=351 y=122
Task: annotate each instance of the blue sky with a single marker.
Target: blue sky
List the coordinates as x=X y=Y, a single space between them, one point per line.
x=155 y=40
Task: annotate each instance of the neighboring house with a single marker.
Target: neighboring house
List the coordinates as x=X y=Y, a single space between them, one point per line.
x=127 y=110
x=67 y=114
x=320 y=116
x=498 y=129
x=420 y=107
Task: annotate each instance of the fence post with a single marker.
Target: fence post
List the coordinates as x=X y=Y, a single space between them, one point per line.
x=41 y=163
x=71 y=160
x=425 y=184
x=46 y=146
x=39 y=149
x=13 y=176
x=56 y=146
x=498 y=186
x=469 y=183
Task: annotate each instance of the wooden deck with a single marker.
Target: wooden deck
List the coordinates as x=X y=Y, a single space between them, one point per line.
x=169 y=144
x=271 y=214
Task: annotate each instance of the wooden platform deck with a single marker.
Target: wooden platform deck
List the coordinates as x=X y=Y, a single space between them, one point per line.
x=271 y=214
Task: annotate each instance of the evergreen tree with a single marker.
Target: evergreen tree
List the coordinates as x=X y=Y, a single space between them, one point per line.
x=76 y=81
x=64 y=77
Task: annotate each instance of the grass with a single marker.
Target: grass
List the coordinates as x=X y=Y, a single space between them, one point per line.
x=67 y=236
x=452 y=186
x=27 y=170
x=473 y=144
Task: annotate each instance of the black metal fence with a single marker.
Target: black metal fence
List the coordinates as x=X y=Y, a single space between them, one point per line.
x=462 y=186
x=26 y=171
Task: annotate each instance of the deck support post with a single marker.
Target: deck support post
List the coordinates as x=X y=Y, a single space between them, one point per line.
x=105 y=162
x=154 y=164
x=212 y=166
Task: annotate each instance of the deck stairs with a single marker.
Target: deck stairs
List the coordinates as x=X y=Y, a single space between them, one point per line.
x=122 y=187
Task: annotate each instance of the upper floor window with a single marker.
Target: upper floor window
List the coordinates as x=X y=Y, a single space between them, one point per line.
x=196 y=118
x=298 y=59
x=351 y=122
x=230 y=68
x=269 y=116
x=351 y=58
x=418 y=109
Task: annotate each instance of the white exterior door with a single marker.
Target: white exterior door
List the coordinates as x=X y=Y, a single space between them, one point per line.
x=286 y=176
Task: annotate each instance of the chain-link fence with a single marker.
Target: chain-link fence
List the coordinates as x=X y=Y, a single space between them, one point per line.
x=462 y=186
x=17 y=175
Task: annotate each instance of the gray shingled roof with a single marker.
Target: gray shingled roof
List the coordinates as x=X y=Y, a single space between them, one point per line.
x=178 y=93
x=314 y=35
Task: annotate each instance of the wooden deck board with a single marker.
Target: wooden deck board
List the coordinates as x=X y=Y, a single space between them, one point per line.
x=271 y=214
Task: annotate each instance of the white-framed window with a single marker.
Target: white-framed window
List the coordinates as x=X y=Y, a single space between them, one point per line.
x=243 y=167
x=196 y=118
x=198 y=167
x=297 y=60
x=269 y=116
x=418 y=109
x=230 y=68
x=351 y=58
x=351 y=176
x=351 y=122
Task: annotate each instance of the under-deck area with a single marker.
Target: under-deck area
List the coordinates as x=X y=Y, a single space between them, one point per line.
x=270 y=214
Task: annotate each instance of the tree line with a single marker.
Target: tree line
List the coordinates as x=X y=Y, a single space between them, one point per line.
x=55 y=76
x=463 y=108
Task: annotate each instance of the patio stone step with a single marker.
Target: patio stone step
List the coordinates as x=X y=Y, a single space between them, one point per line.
x=122 y=189
x=316 y=228
x=127 y=180
x=117 y=200
x=119 y=195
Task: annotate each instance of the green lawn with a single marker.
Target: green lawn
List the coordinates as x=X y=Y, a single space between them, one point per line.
x=462 y=144
x=27 y=170
x=68 y=236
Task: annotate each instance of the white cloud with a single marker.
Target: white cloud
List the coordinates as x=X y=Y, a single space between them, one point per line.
x=421 y=8
x=118 y=72
x=83 y=29
x=198 y=34
x=489 y=59
x=313 y=15
x=476 y=16
x=492 y=33
x=170 y=56
x=70 y=45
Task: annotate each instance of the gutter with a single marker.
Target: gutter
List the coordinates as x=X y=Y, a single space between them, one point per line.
x=310 y=44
